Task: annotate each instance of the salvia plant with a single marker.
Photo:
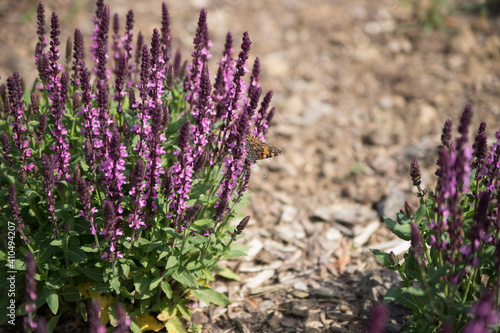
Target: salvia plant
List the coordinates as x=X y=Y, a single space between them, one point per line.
x=450 y=275
x=119 y=180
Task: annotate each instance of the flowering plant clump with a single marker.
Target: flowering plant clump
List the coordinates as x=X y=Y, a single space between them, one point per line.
x=119 y=179
x=450 y=275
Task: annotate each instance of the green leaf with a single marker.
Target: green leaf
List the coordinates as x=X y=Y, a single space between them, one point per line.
x=52 y=300
x=402 y=218
x=227 y=273
x=416 y=291
x=93 y=273
x=174 y=325
x=165 y=286
x=420 y=214
x=208 y=295
x=185 y=278
x=125 y=269
x=393 y=294
x=383 y=257
x=52 y=323
x=55 y=281
x=71 y=294
x=76 y=255
x=115 y=284
x=155 y=283
x=56 y=242
x=234 y=254
x=402 y=231
x=141 y=284
x=171 y=262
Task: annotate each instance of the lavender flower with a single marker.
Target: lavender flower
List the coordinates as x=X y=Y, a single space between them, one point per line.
x=29 y=323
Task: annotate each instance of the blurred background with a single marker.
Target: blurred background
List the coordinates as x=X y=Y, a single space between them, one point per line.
x=361 y=88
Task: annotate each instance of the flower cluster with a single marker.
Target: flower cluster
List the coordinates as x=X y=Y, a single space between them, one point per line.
x=455 y=253
x=110 y=192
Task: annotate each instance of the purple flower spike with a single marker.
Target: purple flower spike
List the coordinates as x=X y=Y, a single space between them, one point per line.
x=378 y=319
x=446 y=134
x=15 y=213
x=29 y=323
x=119 y=84
x=88 y=211
x=113 y=168
x=200 y=55
x=48 y=167
x=137 y=186
x=78 y=56
x=7 y=155
x=112 y=230
x=182 y=172
x=95 y=322
x=485 y=314
x=261 y=123
x=122 y=320
x=155 y=152
x=480 y=148
x=203 y=114
x=241 y=226
x=415 y=172
x=17 y=110
x=128 y=46
x=42 y=42
x=480 y=231
x=254 y=78
x=416 y=243
x=165 y=32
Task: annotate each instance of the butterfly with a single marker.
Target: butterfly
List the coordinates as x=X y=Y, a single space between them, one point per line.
x=258 y=150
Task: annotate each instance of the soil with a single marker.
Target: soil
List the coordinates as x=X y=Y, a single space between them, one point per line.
x=360 y=90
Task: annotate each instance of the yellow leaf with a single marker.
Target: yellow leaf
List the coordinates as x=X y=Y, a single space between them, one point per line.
x=83 y=289
x=167 y=314
x=148 y=323
x=174 y=325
